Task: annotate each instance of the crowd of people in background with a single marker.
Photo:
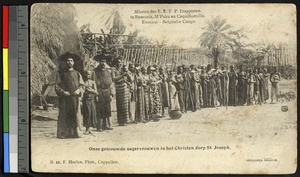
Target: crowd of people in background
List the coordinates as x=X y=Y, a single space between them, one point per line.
x=148 y=93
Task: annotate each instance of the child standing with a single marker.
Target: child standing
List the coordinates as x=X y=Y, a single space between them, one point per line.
x=89 y=108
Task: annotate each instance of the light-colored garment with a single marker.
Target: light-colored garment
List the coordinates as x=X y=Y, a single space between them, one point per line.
x=274 y=91
x=250 y=90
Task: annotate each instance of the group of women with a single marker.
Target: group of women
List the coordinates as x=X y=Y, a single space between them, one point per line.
x=153 y=91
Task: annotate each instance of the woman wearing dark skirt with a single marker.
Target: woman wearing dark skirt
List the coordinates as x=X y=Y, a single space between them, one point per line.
x=89 y=108
x=212 y=89
x=164 y=91
x=140 y=105
x=145 y=78
x=232 y=96
x=257 y=93
x=204 y=83
x=219 y=94
x=261 y=86
x=266 y=84
x=242 y=87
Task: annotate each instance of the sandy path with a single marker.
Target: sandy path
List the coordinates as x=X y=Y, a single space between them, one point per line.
x=256 y=139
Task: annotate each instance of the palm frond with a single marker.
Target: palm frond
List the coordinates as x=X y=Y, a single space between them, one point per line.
x=226 y=27
x=222 y=22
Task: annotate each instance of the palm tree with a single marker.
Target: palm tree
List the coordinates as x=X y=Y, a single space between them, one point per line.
x=218 y=35
x=112 y=19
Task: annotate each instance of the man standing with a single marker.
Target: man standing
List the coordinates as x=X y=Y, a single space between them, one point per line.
x=103 y=83
x=69 y=86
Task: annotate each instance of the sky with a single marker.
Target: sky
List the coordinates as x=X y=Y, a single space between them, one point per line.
x=272 y=23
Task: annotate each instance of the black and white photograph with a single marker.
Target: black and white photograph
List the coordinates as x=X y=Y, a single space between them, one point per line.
x=163 y=88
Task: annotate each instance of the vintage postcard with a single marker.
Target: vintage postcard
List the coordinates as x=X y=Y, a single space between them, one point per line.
x=163 y=88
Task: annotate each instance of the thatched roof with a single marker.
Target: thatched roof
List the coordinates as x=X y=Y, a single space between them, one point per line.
x=53 y=33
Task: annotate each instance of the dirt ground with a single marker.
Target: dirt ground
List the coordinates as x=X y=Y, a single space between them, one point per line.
x=245 y=132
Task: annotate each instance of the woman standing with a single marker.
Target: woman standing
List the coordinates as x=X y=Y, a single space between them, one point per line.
x=250 y=90
x=212 y=92
x=154 y=94
x=257 y=93
x=266 y=84
x=145 y=77
x=242 y=87
x=204 y=84
x=140 y=104
x=164 y=90
x=122 y=94
x=224 y=85
x=232 y=97
x=179 y=84
x=194 y=80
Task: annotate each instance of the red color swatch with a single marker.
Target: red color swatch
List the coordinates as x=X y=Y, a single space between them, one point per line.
x=5 y=27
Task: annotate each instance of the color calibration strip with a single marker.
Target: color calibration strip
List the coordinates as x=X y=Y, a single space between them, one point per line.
x=15 y=89
x=5 y=30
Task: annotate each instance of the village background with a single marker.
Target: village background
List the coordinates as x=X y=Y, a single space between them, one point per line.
x=224 y=36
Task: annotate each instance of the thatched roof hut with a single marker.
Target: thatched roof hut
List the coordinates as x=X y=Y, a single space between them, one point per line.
x=53 y=33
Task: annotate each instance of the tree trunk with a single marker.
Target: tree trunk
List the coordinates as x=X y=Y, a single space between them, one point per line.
x=215 y=53
x=215 y=61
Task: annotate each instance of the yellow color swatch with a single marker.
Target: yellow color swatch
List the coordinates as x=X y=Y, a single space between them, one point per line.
x=5 y=69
